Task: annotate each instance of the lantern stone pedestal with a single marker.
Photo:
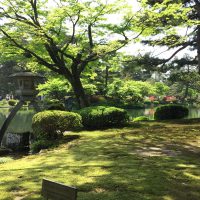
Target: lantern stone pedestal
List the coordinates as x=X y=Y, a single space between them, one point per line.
x=16 y=141
x=26 y=91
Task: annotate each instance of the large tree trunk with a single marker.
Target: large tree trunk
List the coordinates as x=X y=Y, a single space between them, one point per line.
x=106 y=79
x=197 y=8
x=79 y=92
x=198 y=48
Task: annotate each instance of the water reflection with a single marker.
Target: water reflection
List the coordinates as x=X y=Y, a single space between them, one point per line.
x=23 y=119
x=194 y=113
x=149 y=112
x=21 y=122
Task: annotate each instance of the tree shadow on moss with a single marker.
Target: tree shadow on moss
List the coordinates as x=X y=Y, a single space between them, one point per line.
x=135 y=176
x=109 y=166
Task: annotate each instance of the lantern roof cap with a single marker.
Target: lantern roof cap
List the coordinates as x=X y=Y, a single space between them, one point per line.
x=25 y=74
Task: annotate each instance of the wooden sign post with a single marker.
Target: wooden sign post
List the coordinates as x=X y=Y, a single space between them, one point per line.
x=57 y=191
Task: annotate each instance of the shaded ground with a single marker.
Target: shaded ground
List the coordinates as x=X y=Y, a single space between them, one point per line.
x=151 y=161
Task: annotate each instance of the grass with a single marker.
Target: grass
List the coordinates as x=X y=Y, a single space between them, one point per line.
x=147 y=161
x=4 y=103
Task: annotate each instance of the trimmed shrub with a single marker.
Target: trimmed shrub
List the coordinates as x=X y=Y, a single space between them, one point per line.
x=52 y=124
x=141 y=118
x=147 y=102
x=171 y=111
x=39 y=145
x=54 y=104
x=156 y=102
x=12 y=102
x=101 y=116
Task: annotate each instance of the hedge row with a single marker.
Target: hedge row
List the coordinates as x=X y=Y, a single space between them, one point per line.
x=52 y=123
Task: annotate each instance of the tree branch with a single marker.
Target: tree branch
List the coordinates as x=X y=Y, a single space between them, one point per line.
x=90 y=36
x=174 y=54
x=94 y=57
x=35 y=11
x=39 y=59
x=18 y=18
x=72 y=40
x=139 y=34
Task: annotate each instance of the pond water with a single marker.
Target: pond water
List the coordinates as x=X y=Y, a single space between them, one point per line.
x=21 y=122
x=149 y=112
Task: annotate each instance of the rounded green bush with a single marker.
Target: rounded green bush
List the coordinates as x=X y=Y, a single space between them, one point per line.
x=171 y=111
x=102 y=116
x=156 y=102
x=12 y=102
x=147 y=102
x=141 y=118
x=52 y=124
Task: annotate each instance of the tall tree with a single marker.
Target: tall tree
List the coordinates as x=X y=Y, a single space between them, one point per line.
x=64 y=36
x=187 y=79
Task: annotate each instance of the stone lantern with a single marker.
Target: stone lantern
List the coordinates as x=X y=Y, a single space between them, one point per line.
x=25 y=83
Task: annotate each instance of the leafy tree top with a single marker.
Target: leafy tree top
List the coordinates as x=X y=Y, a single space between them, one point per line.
x=70 y=32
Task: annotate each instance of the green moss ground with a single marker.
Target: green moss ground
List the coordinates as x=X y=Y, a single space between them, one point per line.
x=151 y=161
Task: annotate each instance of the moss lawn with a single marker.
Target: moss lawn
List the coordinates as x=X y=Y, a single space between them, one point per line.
x=147 y=161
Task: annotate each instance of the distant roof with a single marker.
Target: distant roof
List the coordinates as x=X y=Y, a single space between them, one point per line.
x=26 y=74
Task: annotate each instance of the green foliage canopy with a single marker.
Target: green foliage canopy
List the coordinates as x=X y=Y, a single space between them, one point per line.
x=135 y=91
x=54 y=88
x=64 y=37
